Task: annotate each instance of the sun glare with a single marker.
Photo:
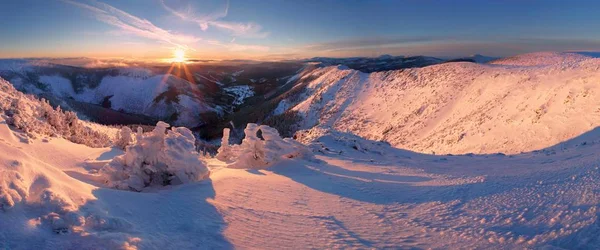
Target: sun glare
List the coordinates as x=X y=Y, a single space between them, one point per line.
x=179 y=56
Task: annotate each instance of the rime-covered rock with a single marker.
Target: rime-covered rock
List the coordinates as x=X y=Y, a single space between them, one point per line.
x=262 y=147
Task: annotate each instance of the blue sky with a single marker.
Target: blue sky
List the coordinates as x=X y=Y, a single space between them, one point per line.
x=278 y=29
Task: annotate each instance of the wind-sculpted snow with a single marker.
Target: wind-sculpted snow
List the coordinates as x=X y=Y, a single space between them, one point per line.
x=158 y=159
x=458 y=107
x=39 y=201
x=261 y=148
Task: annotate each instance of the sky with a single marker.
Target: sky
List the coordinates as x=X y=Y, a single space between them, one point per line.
x=286 y=29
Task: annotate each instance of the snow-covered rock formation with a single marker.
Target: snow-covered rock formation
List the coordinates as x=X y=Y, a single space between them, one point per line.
x=163 y=157
x=261 y=147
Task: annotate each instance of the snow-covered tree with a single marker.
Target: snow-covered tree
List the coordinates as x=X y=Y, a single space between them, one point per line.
x=124 y=138
x=162 y=157
x=224 y=152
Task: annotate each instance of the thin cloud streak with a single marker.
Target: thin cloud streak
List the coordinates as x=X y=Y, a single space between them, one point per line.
x=131 y=24
x=248 y=30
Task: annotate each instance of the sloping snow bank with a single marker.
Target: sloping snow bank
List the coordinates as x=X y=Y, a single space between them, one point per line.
x=459 y=108
x=261 y=148
x=37 y=117
x=542 y=59
x=158 y=96
x=156 y=159
x=38 y=200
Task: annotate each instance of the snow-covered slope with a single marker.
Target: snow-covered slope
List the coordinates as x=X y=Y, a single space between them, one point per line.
x=157 y=96
x=37 y=118
x=381 y=63
x=460 y=107
x=355 y=194
x=541 y=59
x=133 y=90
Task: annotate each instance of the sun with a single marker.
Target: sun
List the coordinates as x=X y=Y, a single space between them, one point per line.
x=178 y=56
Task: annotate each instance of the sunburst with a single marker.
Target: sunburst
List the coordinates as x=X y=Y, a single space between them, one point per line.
x=178 y=56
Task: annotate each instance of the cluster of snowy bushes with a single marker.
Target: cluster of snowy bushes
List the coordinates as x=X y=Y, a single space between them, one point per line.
x=261 y=148
x=37 y=117
x=162 y=157
x=169 y=156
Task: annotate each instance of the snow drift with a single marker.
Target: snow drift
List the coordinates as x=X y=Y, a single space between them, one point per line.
x=157 y=159
x=40 y=204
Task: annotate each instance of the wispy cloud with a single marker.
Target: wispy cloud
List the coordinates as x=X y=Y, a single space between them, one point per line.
x=188 y=13
x=131 y=24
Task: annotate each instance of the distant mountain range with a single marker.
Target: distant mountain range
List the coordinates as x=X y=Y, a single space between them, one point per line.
x=298 y=94
x=183 y=95
x=388 y=62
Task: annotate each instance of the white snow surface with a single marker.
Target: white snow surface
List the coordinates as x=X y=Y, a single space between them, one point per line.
x=459 y=107
x=541 y=59
x=283 y=106
x=137 y=72
x=356 y=194
x=58 y=85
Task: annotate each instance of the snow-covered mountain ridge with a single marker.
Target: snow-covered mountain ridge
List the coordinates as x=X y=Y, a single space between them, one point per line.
x=460 y=107
x=159 y=96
